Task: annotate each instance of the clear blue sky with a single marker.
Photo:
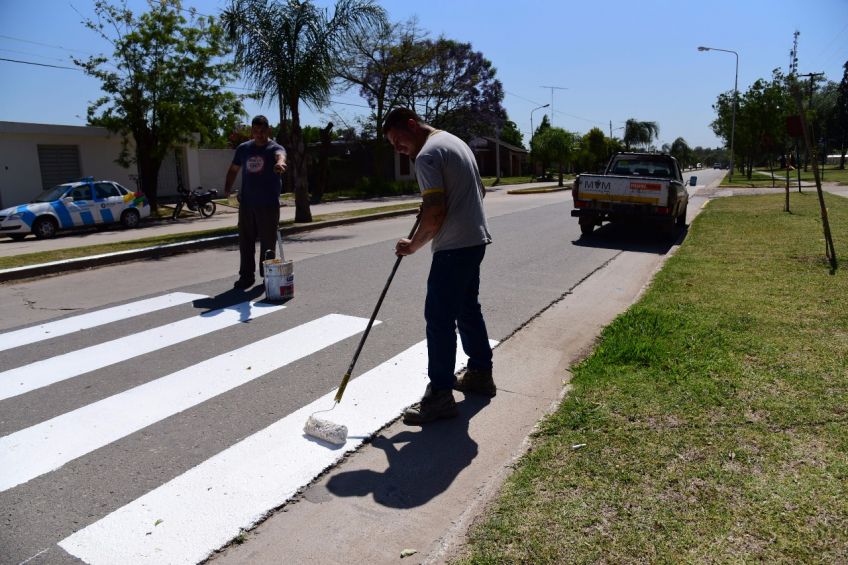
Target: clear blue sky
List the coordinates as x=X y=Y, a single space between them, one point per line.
x=617 y=59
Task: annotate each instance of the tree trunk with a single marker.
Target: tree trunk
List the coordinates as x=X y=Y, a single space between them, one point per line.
x=283 y=139
x=297 y=162
x=148 y=168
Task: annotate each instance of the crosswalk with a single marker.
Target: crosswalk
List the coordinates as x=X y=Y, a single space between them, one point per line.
x=187 y=518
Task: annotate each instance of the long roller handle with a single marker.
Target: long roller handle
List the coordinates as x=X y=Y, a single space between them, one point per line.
x=371 y=321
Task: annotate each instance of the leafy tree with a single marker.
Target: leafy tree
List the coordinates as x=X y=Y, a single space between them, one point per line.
x=384 y=66
x=461 y=93
x=534 y=153
x=638 y=133
x=289 y=51
x=556 y=145
x=511 y=135
x=166 y=83
x=761 y=114
x=597 y=149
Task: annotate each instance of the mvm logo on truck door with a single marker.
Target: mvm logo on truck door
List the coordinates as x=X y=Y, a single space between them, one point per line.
x=597 y=185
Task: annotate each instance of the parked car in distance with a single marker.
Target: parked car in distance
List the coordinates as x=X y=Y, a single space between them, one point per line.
x=716 y=165
x=698 y=166
x=85 y=202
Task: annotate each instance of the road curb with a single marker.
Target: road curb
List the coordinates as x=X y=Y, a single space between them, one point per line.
x=160 y=251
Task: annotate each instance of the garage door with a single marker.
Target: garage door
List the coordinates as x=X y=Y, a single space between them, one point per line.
x=58 y=163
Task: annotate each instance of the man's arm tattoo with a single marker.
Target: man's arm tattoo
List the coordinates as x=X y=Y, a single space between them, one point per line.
x=433 y=199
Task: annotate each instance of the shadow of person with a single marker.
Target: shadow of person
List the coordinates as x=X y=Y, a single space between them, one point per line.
x=229 y=297
x=423 y=462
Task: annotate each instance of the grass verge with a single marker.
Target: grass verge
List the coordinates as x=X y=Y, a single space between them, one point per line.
x=831 y=173
x=713 y=411
x=89 y=250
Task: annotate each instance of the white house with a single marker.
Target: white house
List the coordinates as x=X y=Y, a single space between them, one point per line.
x=35 y=157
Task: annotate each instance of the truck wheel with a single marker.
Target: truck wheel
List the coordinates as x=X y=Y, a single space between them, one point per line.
x=587 y=227
x=44 y=228
x=681 y=219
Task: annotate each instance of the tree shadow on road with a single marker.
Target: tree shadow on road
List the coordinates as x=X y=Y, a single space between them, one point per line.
x=423 y=462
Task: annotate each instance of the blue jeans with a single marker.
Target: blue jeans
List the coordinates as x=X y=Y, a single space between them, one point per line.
x=452 y=289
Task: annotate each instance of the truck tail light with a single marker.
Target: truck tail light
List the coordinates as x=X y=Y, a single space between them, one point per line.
x=581 y=204
x=663 y=210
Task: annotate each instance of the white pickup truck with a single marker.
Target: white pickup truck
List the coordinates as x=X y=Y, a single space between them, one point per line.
x=635 y=187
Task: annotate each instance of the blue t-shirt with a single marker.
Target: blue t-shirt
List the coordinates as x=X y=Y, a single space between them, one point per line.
x=260 y=185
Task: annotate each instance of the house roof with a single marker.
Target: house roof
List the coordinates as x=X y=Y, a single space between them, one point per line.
x=503 y=144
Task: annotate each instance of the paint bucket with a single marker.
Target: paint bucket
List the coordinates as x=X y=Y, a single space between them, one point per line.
x=693 y=181
x=279 y=279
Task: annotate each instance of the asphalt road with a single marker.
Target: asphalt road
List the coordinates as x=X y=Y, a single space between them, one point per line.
x=99 y=465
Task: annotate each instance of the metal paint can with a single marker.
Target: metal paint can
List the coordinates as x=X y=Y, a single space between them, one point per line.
x=279 y=279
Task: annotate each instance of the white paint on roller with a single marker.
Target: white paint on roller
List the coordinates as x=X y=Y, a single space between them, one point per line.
x=45 y=447
x=207 y=506
x=62 y=367
x=326 y=430
x=93 y=319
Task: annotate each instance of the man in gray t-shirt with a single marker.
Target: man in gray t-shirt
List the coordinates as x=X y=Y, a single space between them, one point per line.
x=452 y=217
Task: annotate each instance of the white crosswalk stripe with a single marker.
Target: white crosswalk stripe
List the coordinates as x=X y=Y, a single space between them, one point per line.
x=24 y=379
x=206 y=507
x=42 y=448
x=81 y=322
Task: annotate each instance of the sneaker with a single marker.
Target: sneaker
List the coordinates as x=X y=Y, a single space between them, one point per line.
x=244 y=282
x=477 y=381
x=435 y=405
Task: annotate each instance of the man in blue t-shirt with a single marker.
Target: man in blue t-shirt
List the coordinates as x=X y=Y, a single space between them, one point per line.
x=261 y=160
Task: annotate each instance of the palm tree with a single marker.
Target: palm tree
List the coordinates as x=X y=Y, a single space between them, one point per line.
x=288 y=51
x=639 y=133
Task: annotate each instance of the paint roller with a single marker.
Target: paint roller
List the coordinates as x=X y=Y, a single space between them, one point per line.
x=325 y=429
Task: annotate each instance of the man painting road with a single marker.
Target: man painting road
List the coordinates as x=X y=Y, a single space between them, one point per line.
x=262 y=160
x=452 y=218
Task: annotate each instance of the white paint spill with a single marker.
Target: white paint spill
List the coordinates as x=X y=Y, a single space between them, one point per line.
x=47 y=446
x=93 y=319
x=43 y=373
x=207 y=506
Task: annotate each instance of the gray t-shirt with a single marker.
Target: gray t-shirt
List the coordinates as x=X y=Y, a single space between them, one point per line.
x=447 y=163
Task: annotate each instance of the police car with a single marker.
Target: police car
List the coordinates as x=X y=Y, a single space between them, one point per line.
x=86 y=202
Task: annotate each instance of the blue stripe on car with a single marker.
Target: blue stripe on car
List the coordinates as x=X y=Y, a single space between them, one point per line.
x=87 y=218
x=106 y=214
x=62 y=212
x=28 y=216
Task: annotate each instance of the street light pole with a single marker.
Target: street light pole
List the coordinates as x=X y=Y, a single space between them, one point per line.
x=533 y=132
x=735 y=92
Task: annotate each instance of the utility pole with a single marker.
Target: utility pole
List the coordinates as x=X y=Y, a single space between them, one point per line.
x=552 y=99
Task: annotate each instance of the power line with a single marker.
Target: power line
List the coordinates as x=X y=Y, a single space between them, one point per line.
x=829 y=44
x=39 y=64
x=32 y=54
x=45 y=44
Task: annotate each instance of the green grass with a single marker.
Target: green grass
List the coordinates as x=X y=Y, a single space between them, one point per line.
x=832 y=173
x=89 y=250
x=714 y=411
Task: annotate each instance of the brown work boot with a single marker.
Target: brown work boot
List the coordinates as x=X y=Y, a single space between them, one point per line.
x=434 y=405
x=477 y=381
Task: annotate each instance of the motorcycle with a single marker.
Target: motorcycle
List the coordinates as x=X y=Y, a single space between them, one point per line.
x=195 y=201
